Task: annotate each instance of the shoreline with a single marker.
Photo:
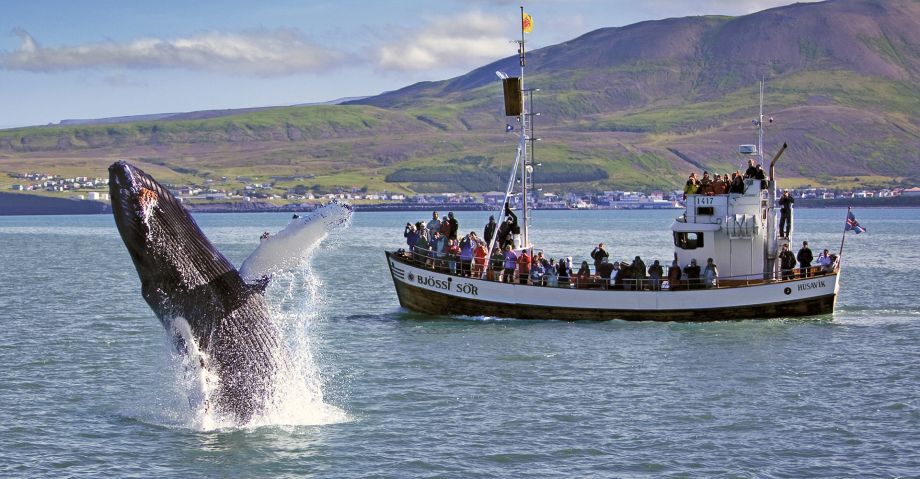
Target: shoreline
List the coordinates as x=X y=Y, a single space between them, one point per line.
x=18 y=204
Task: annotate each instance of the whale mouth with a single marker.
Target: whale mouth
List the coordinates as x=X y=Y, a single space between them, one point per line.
x=135 y=199
x=124 y=190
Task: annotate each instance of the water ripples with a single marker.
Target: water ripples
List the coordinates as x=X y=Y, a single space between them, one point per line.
x=85 y=386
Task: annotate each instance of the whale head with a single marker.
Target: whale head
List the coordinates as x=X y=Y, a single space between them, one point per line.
x=171 y=254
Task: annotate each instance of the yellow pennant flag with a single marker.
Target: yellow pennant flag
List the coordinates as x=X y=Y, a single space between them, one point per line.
x=527 y=23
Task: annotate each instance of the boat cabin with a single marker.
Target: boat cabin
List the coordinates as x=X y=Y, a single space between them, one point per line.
x=730 y=228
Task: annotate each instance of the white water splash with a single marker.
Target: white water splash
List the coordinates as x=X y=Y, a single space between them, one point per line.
x=294 y=302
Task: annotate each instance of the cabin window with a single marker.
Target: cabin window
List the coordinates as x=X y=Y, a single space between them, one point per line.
x=691 y=240
x=705 y=210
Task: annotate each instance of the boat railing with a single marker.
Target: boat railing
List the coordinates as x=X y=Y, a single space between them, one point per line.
x=453 y=265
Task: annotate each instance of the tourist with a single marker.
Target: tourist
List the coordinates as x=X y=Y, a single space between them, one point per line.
x=422 y=247
x=489 y=232
x=479 y=258
x=655 y=272
x=624 y=278
x=719 y=187
x=598 y=255
x=514 y=229
x=711 y=274
x=445 y=233
x=496 y=261
x=454 y=226
x=751 y=171
x=537 y=270
x=434 y=225
x=804 y=257
x=692 y=271
x=786 y=263
x=523 y=267
x=507 y=229
x=785 y=214
x=453 y=255
x=544 y=265
x=583 y=277
x=542 y=259
x=638 y=272
x=737 y=185
x=505 y=237
x=565 y=272
x=674 y=275
x=604 y=272
x=692 y=185
x=824 y=262
x=706 y=184
x=552 y=274
x=466 y=254
x=411 y=235
x=436 y=255
x=762 y=176
x=510 y=264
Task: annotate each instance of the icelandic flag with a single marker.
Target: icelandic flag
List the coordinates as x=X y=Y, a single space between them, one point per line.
x=508 y=128
x=852 y=224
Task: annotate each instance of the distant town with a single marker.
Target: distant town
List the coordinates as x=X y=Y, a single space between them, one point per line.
x=255 y=191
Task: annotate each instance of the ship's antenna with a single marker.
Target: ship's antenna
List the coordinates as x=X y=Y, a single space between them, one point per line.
x=760 y=124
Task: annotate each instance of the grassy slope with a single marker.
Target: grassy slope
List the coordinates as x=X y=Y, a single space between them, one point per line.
x=359 y=146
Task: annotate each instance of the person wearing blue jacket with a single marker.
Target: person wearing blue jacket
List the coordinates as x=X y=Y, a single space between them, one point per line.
x=511 y=260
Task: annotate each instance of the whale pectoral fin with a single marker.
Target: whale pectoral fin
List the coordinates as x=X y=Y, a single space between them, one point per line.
x=287 y=248
x=255 y=268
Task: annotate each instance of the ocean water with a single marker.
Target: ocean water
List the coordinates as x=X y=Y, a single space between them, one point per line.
x=89 y=385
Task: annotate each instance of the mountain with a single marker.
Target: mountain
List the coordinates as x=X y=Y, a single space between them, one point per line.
x=194 y=115
x=635 y=106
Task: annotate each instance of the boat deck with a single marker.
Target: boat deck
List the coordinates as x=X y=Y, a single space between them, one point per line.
x=596 y=282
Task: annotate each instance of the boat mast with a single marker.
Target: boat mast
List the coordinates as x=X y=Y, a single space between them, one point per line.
x=520 y=157
x=523 y=119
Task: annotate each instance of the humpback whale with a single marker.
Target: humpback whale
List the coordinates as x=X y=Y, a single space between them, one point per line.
x=198 y=295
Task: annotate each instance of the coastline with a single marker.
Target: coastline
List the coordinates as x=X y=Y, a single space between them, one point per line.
x=20 y=204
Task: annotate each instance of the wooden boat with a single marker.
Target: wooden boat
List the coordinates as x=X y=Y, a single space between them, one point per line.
x=737 y=230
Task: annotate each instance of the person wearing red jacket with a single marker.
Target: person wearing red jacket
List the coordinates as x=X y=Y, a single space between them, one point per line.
x=523 y=267
x=479 y=258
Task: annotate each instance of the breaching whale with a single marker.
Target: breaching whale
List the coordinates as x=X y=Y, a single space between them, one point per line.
x=199 y=295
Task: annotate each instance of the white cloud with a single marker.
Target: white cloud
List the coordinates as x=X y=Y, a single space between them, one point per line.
x=258 y=53
x=459 y=41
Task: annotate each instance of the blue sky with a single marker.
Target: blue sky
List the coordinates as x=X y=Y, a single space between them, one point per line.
x=101 y=58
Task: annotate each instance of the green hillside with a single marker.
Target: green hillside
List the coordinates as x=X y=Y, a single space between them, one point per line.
x=630 y=107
